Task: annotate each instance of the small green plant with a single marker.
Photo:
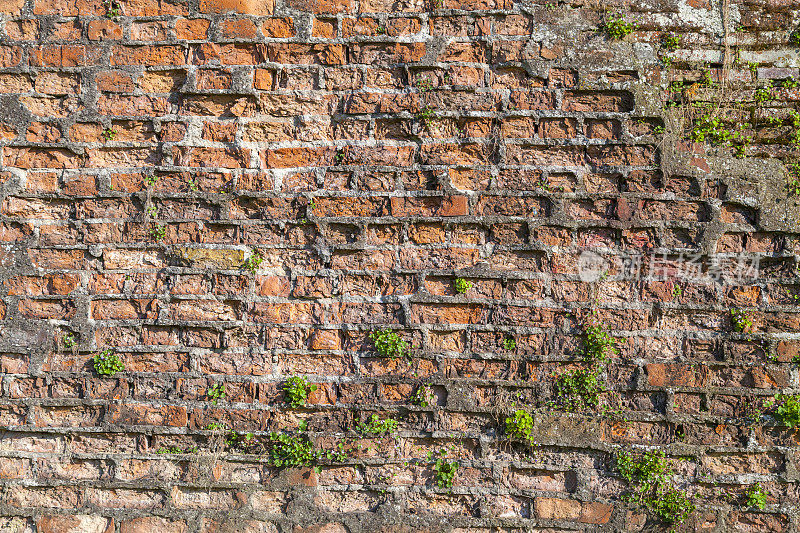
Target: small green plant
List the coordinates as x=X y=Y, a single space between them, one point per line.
x=599 y=345
x=109 y=134
x=677 y=291
x=520 y=426
x=152 y=211
x=713 y=129
x=216 y=426
x=756 y=497
x=107 y=363
x=650 y=478
x=252 y=263
x=444 y=470
x=158 y=232
x=461 y=285
x=389 y=344
x=794 y=37
x=670 y=41
x=175 y=450
x=68 y=340
x=790 y=83
x=425 y=115
x=615 y=26
x=763 y=94
x=216 y=392
x=296 y=391
x=423 y=396
x=375 y=426
x=339 y=157
x=338 y=454
x=151 y=180
x=424 y=85
x=380 y=30
x=786 y=410
x=113 y=9
x=290 y=450
x=741 y=321
x=794 y=136
x=509 y=343
x=193 y=185
x=578 y=390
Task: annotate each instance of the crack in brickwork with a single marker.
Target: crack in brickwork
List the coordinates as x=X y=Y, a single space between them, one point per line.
x=235 y=192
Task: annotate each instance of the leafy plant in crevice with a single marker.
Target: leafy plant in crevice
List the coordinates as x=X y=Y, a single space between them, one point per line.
x=374 y=425
x=763 y=94
x=670 y=42
x=712 y=129
x=108 y=363
x=158 y=232
x=284 y=450
x=109 y=134
x=68 y=340
x=786 y=410
x=580 y=389
x=650 y=478
x=741 y=321
x=389 y=344
x=616 y=27
x=252 y=263
x=509 y=343
x=461 y=285
x=423 y=396
x=216 y=392
x=296 y=391
x=113 y=9
x=520 y=426
x=444 y=470
x=756 y=497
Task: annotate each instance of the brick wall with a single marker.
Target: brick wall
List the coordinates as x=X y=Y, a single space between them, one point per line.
x=226 y=194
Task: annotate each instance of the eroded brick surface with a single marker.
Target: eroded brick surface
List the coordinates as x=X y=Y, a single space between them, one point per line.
x=234 y=192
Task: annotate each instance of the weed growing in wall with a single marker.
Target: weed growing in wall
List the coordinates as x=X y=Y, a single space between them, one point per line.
x=389 y=344
x=252 y=263
x=444 y=470
x=786 y=410
x=108 y=363
x=109 y=134
x=650 y=477
x=580 y=389
x=375 y=426
x=615 y=26
x=756 y=497
x=286 y=450
x=461 y=285
x=423 y=396
x=216 y=392
x=296 y=391
x=520 y=426
x=741 y=321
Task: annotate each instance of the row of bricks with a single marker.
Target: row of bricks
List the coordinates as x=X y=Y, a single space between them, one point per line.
x=680 y=433
x=433 y=154
x=161 y=184
x=138 y=133
x=134 y=289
